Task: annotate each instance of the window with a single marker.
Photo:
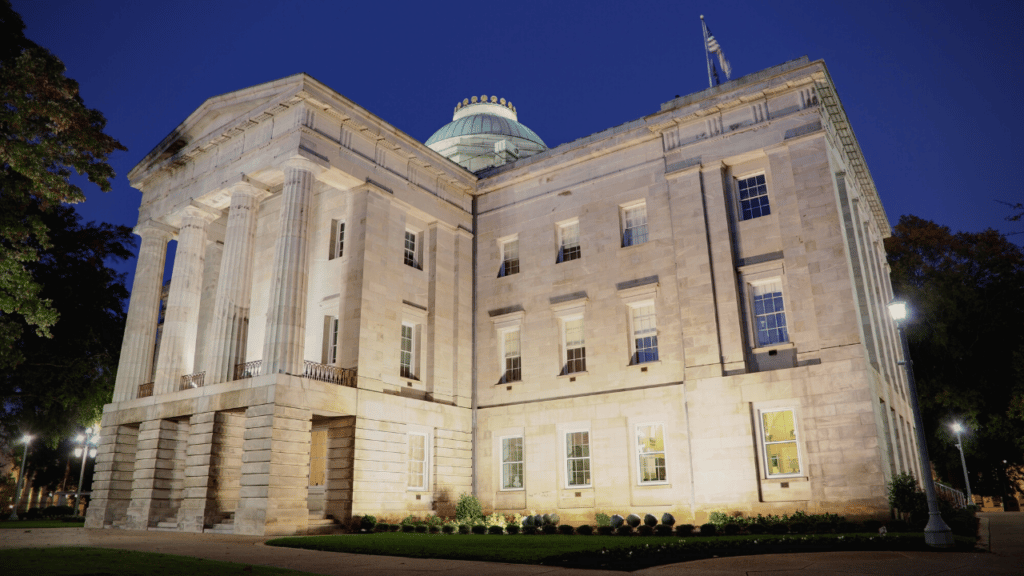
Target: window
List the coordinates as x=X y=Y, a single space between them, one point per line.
x=769 y=314
x=645 y=333
x=569 y=241
x=575 y=351
x=511 y=349
x=577 y=458
x=509 y=258
x=408 y=354
x=781 y=455
x=331 y=352
x=650 y=450
x=411 y=250
x=512 y=463
x=753 y=193
x=417 y=461
x=634 y=225
x=337 y=239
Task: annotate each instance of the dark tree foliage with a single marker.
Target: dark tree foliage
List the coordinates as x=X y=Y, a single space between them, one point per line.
x=966 y=339
x=64 y=380
x=46 y=135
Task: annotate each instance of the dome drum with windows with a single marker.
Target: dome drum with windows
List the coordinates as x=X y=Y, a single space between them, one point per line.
x=485 y=132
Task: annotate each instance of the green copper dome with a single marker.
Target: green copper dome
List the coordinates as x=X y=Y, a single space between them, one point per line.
x=484 y=124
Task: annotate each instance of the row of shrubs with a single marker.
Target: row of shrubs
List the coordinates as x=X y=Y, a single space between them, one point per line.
x=49 y=512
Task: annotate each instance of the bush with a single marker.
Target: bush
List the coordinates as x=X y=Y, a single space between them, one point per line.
x=778 y=528
x=408 y=528
x=624 y=530
x=848 y=527
x=421 y=528
x=708 y=529
x=394 y=527
x=530 y=530
x=463 y=528
x=549 y=529
x=381 y=527
x=433 y=528
x=718 y=518
x=645 y=530
x=668 y=519
x=512 y=528
x=603 y=519
x=684 y=530
x=495 y=530
x=732 y=529
x=479 y=529
x=799 y=527
x=616 y=521
x=757 y=528
x=633 y=520
x=55 y=511
x=872 y=525
x=468 y=508
x=368 y=522
x=823 y=527
x=585 y=530
x=605 y=530
x=898 y=526
x=447 y=529
x=663 y=530
x=566 y=530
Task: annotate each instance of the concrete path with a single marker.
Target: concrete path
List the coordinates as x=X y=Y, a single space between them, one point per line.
x=1003 y=532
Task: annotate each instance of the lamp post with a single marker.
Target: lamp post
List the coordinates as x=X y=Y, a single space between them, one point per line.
x=936 y=534
x=957 y=428
x=21 y=477
x=86 y=450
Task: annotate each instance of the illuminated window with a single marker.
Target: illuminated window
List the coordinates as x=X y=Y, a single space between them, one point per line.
x=781 y=454
x=769 y=314
x=408 y=352
x=577 y=458
x=753 y=193
x=512 y=463
x=634 y=225
x=331 y=356
x=650 y=450
x=512 y=355
x=412 y=257
x=337 y=240
x=575 y=350
x=509 y=258
x=645 y=333
x=569 y=242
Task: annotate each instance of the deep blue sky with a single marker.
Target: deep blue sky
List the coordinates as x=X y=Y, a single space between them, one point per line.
x=932 y=88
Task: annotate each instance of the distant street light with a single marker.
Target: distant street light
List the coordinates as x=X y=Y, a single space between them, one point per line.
x=957 y=428
x=936 y=534
x=87 y=449
x=21 y=477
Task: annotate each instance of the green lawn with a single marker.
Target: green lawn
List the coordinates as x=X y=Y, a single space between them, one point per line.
x=103 y=562
x=29 y=524
x=607 y=552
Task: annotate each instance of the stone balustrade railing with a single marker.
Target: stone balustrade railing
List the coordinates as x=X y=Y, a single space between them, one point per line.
x=189 y=381
x=248 y=369
x=330 y=374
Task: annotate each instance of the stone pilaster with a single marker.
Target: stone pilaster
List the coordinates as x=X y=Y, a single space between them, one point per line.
x=286 y=314
x=180 y=329
x=723 y=267
x=153 y=477
x=136 y=364
x=112 y=478
x=230 y=328
x=275 y=471
x=441 y=319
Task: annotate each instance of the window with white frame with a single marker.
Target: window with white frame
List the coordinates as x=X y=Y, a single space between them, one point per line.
x=417 y=459
x=412 y=246
x=753 y=196
x=634 y=225
x=577 y=458
x=337 y=239
x=575 y=348
x=331 y=341
x=408 y=351
x=512 y=355
x=769 y=313
x=509 y=258
x=512 y=463
x=569 y=241
x=643 y=323
x=650 y=450
x=779 y=439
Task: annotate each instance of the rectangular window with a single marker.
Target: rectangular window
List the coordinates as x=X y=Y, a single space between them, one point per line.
x=569 y=242
x=338 y=240
x=408 y=358
x=753 y=193
x=411 y=254
x=769 y=314
x=577 y=458
x=512 y=356
x=645 y=334
x=417 y=461
x=512 y=463
x=332 y=341
x=650 y=449
x=575 y=351
x=778 y=429
x=509 y=258
x=634 y=225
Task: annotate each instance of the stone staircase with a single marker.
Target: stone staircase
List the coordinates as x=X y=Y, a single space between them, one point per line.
x=318 y=525
x=225 y=526
x=169 y=524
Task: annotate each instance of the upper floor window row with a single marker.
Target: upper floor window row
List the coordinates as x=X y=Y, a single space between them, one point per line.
x=753 y=196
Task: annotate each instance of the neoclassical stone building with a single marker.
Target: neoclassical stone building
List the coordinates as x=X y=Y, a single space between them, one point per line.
x=683 y=313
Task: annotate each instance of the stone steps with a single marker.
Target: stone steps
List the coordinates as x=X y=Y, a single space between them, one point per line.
x=319 y=525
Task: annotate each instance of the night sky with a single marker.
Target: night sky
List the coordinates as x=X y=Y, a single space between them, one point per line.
x=931 y=88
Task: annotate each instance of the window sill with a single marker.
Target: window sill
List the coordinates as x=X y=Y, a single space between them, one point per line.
x=780 y=479
x=523 y=489
x=779 y=346
x=573 y=374
x=654 y=484
x=645 y=364
x=636 y=245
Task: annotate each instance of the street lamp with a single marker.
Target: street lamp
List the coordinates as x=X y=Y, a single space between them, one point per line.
x=87 y=448
x=21 y=477
x=957 y=428
x=936 y=534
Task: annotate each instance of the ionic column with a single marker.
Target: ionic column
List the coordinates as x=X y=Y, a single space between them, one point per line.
x=181 y=320
x=230 y=328
x=136 y=364
x=286 y=313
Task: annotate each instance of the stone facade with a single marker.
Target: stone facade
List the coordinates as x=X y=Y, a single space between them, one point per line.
x=684 y=313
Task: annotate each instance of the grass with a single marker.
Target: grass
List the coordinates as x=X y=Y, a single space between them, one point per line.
x=29 y=524
x=103 y=562
x=606 y=552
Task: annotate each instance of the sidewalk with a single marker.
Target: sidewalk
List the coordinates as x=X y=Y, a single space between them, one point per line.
x=1005 y=537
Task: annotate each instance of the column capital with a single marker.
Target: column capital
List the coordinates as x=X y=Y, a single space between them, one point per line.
x=244 y=185
x=303 y=163
x=193 y=209
x=153 y=228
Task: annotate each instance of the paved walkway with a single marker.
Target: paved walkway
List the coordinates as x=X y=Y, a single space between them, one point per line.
x=1004 y=534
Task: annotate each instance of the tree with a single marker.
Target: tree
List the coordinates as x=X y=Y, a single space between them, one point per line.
x=46 y=134
x=967 y=342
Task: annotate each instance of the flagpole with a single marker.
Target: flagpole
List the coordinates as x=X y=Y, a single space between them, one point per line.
x=707 y=55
